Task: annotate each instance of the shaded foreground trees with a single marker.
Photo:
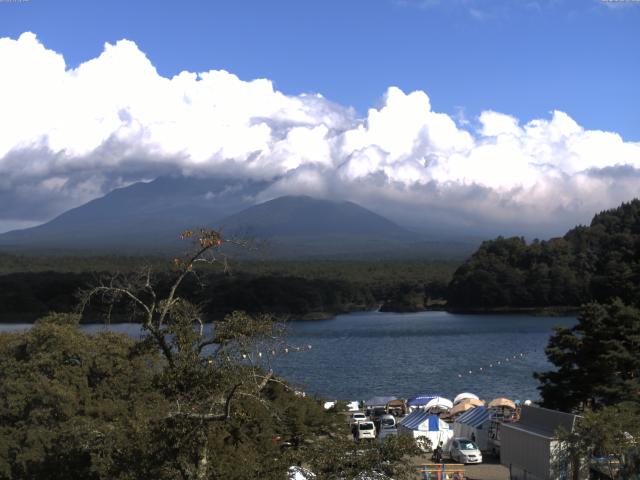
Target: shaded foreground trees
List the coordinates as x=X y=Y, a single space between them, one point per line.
x=608 y=438
x=186 y=401
x=597 y=360
x=598 y=376
x=69 y=402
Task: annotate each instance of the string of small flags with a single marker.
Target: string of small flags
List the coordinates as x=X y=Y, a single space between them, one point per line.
x=497 y=363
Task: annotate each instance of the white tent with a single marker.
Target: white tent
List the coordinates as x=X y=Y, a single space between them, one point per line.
x=439 y=403
x=421 y=424
x=474 y=425
x=464 y=395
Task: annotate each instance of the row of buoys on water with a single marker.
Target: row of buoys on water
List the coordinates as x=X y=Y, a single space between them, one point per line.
x=498 y=363
x=274 y=352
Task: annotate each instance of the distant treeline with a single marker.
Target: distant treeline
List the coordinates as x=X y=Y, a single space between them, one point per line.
x=598 y=262
x=594 y=263
x=287 y=289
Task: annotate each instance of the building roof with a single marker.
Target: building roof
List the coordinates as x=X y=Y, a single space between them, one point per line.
x=542 y=421
x=379 y=401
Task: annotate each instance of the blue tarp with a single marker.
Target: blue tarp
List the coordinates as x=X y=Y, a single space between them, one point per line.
x=379 y=401
x=421 y=400
x=417 y=418
x=434 y=423
x=475 y=417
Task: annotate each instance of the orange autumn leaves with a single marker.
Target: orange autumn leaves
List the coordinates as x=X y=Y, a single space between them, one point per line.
x=205 y=239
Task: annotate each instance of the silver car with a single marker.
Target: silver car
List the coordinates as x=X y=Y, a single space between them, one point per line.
x=463 y=450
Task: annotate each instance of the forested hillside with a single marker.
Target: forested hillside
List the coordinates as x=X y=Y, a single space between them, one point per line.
x=590 y=263
x=33 y=286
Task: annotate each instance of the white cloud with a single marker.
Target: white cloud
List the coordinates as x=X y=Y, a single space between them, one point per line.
x=69 y=135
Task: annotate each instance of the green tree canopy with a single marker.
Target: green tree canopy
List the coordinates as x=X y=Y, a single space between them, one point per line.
x=595 y=263
x=597 y=360
x=191 y=399
x=74 y=405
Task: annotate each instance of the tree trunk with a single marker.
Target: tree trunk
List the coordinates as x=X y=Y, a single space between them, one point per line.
x=203 y=462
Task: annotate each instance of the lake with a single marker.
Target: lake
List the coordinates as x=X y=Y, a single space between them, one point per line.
x=360 y=355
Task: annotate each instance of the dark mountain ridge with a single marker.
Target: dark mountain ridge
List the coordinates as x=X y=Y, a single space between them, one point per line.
x=303 y=215
x=143 y=217
x=146 y=218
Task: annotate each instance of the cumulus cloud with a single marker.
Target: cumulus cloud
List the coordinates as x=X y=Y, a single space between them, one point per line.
x=71 y=134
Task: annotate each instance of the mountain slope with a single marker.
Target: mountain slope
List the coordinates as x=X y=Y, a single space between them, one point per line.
x=146 y=218
x=305 y=227
x=143 y=217
x=306 y=216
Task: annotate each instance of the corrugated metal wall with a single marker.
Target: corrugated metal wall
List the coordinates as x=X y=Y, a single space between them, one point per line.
x=527 y=454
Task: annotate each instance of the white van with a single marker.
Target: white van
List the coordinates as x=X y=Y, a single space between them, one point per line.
x=365 y=430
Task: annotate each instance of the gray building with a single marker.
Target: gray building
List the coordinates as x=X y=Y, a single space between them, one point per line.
x=529 y=447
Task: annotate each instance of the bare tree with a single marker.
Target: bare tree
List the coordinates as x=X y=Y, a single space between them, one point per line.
x=209 y=369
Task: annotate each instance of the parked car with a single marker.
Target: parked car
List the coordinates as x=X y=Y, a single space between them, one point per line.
x=386 y=421
x=463 y=450
x=365 y=430
x=376 y=413
x=387 y=432
x=357 y=417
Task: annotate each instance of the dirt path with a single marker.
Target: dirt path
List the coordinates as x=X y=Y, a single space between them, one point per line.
x=491 y=470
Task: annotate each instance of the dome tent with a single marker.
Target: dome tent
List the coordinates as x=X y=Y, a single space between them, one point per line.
x=463 y=396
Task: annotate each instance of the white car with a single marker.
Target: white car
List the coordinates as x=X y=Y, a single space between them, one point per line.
x=465 y=451
x=365 y=430
x=357 y=417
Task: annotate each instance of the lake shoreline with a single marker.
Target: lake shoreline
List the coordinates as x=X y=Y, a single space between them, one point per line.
x=555 y=311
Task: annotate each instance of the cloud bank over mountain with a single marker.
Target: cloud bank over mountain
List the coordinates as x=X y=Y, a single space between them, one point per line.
x=68 y=135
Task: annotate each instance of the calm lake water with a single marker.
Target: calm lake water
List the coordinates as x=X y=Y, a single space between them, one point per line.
x=360 y=355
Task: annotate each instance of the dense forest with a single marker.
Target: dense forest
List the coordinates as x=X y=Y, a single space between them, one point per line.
x=33 y=286
x=590 y=263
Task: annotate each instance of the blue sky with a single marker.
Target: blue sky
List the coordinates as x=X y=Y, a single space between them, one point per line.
x=520 y=57
x=509 y=115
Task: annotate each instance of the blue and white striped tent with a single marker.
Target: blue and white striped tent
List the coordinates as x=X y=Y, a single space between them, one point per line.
x=421 y=420
x=476 y=417
x=421 y=424
x=474 y=425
